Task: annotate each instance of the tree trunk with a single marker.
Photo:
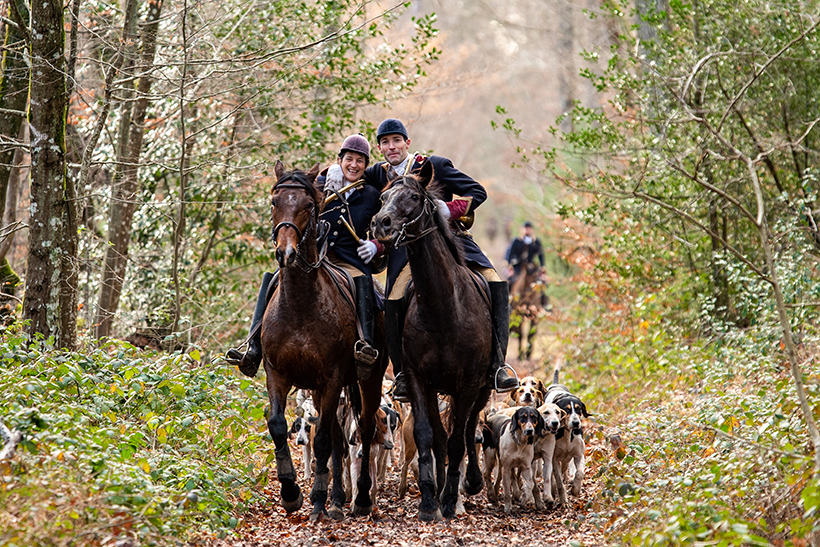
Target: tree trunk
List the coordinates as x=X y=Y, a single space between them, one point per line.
x=50 y=302
x=123 y=204
x=13 y=97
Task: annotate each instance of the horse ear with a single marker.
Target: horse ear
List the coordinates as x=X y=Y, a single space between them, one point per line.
x=279 y=169
x=313 y=173
x=426 y=174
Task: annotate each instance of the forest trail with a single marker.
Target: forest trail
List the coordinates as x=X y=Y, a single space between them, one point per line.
x=395 y=522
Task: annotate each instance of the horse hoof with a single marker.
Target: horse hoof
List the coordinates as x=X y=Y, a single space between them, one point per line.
x=318 y=516
x=430 y=516
x=336 y=512
x=360 y=511
x=295 y=505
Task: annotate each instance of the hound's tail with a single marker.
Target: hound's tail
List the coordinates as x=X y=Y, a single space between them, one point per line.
x=558 y=362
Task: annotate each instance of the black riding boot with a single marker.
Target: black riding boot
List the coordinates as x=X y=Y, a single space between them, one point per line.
x=364 y=351
x=500 y=378
x=248 y=362
x=394 y=313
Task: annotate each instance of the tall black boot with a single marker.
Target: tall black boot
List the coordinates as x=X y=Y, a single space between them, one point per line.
x=364 y=351
x=501 y=380
x=248 y=362
x=394 y=314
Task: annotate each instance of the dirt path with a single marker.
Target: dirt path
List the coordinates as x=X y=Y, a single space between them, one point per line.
x=395 y=522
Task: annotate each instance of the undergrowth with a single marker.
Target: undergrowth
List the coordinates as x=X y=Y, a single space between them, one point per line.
x=706 y=441
x=120 y=444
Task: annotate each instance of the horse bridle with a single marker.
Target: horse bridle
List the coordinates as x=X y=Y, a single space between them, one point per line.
x=300 y=260
x=403 y=238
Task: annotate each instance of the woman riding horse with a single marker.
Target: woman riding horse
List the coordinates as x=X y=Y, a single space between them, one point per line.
x=307 y=333
x=348 y=214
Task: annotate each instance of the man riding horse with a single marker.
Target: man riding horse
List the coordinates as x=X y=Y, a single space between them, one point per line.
x=394 y=144
x=351 y=206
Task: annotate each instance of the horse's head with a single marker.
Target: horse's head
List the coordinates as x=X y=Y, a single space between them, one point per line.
x=295 y=207
x=408 y=209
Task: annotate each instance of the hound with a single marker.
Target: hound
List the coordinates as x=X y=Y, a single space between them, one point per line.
x=384 y=451
x=569 y=441
x=544 y=450
x=304 y=427
x=510 y=443
x=530 y=392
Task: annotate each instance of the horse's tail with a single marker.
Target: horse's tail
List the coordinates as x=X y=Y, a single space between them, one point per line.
x=354 y=398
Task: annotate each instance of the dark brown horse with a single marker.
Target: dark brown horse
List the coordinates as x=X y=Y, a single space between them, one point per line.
x=308 y=334
x=447 y=340
x=529 y=306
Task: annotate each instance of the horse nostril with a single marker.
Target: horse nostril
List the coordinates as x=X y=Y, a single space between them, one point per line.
x=385 y=221
x=280 y=256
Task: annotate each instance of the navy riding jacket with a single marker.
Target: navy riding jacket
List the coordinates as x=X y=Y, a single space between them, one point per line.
x=363 y=205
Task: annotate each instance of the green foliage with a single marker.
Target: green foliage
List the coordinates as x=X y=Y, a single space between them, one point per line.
x=120 y=443
x=264 y=81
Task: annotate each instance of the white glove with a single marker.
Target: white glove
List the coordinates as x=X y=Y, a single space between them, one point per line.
x=367 y=250
x=334 y=180
x=442 y=206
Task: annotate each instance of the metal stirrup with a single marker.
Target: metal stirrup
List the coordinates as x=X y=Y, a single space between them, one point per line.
x=506 y=365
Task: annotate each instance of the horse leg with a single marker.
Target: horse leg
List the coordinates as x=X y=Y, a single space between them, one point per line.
x=371 y=397
x=455 y=453
x=423 y=435
x=473 y=481
x=291 y=495
x=322 y=447
x=338 y=497
x=439 y=444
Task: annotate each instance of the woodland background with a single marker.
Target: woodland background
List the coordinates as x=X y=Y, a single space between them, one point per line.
x=664 y=150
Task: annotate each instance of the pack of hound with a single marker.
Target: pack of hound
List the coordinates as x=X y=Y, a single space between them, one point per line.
x=536 y=432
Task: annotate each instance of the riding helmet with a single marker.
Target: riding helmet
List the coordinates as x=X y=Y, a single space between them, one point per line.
x=356 y=143
x=391 y=126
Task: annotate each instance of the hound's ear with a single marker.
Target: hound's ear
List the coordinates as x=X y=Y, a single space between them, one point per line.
x=515 y=424
x=426 y=174
x=584 y=411
x=279 y=169
x=541 y=387
x=539 y=425
x=313 y=173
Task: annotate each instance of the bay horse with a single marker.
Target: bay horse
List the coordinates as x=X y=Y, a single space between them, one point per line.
x=446 y=341
x=528 y=307
x=308 y=336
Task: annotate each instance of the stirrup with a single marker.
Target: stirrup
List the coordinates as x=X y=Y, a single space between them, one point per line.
x=495 y=379
x=365 y=353
x=233 y=357
x=402 y=397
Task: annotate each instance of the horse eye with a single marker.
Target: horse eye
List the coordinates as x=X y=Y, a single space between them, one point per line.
x=415 y=197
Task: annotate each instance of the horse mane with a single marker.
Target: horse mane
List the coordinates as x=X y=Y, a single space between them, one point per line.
x=435 y=190
x=301 y=177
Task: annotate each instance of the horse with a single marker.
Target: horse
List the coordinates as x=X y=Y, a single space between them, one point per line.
x=447 y=339
x=308 y=336
x=529 y=305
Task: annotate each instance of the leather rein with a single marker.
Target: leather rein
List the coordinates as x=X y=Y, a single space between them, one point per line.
x=321 y=238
